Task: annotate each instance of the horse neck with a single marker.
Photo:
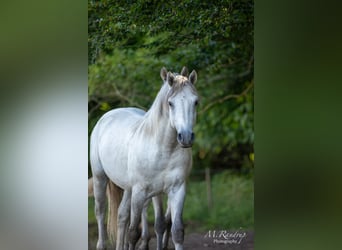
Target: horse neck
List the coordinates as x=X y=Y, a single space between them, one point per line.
x=156 y=122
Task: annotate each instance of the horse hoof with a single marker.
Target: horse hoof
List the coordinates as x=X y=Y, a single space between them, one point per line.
x=143 y=247
x=100 y=246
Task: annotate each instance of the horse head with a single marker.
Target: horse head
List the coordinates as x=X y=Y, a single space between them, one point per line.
x=182 y=100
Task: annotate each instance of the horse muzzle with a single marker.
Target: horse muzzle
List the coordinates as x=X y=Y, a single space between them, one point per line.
x=186 y=138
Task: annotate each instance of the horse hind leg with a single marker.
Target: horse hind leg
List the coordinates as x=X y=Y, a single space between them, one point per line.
x=159 y=225
x=100 y=184
x=137 y=205
x=123 y=220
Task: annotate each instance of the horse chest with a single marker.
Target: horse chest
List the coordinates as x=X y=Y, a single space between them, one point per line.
x=158 y=170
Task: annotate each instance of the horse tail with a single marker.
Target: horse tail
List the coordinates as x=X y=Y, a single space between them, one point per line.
x=90 y=187
x=114 y=195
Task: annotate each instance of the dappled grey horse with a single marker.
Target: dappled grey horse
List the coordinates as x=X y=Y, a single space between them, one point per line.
x=145 y=154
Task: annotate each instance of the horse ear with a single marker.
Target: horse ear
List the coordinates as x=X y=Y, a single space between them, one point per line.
x=185 y=71
x=163 y=73
x=170 y=78
x=193 y=77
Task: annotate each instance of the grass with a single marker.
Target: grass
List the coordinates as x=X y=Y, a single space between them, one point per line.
x=232 y=207
x=232 y=203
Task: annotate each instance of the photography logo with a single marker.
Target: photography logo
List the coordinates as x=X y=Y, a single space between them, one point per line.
x=225 y=237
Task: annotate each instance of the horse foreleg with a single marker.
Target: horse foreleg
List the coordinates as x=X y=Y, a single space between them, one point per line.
x=159 y=223
x=176 y=198
x=167 y=226
x=100 y=184
x=137 y=204
x=145 y=236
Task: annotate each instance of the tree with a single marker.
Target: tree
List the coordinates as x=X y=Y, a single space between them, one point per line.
x=129 y=41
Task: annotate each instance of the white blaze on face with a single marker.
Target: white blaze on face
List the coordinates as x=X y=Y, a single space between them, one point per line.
x=182 y=108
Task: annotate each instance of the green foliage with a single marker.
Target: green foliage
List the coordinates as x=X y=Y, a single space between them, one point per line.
x=129 y=41
x=91 y=210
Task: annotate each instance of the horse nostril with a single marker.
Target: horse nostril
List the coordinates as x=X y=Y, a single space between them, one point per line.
x=179 y=137
x=192 y=137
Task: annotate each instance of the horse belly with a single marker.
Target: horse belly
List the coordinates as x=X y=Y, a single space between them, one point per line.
x=114 y=160
x=113 y=142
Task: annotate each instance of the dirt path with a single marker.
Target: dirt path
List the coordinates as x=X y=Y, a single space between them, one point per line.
x=234 y=240
x=202 y=242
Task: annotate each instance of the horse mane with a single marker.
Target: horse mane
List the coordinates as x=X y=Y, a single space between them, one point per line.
x=157 y=110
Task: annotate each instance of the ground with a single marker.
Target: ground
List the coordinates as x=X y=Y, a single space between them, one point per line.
x=234 y=240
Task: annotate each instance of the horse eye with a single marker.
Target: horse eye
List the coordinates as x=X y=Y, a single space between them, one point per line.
x=196 y=103
x=171 y=104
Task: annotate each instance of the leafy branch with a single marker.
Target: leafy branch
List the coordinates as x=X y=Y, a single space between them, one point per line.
x=225 y=98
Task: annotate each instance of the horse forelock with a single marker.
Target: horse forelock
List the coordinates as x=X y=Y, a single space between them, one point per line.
x=179 y=83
